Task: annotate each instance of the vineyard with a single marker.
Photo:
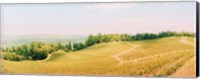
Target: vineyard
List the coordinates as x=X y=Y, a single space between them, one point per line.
x=156 y=57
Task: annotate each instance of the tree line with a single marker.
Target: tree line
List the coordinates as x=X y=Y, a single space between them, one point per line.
x=40 y=50
x=37 y=50
x=99 y=38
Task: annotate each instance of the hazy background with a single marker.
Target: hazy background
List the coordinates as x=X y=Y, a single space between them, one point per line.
x=93 y=18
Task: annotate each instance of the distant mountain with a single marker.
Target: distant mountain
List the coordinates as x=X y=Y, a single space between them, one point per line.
x=27 y=39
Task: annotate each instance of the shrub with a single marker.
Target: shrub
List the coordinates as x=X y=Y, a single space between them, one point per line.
x=39 y=55
x=12 y=56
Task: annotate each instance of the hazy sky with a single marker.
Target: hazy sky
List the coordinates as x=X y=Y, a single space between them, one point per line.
x=92 y=18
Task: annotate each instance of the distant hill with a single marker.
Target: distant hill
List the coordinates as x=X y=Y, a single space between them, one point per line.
x=27 y=39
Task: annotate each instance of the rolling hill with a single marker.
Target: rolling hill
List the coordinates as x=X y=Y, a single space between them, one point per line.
x=157 y=57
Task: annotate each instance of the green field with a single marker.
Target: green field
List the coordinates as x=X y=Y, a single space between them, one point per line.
x=157 y=57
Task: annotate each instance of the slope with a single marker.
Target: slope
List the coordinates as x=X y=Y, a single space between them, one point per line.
x=157 y=55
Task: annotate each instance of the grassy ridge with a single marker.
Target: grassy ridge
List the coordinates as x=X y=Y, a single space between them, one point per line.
x=98 y=60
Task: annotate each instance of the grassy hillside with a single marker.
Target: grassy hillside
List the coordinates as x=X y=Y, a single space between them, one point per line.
x=158 y=57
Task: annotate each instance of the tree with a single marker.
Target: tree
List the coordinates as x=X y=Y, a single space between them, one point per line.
x=78 y=46
x=39 y=55
x=90 y=41
x=12 y=56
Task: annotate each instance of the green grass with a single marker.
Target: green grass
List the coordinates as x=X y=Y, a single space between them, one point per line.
x=98 y=60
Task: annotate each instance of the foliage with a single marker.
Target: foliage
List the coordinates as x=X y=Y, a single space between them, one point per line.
x=40 y=50
x=99 y=38
x=12 y=56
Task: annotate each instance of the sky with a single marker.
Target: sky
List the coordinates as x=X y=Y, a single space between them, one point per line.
x=93 y=18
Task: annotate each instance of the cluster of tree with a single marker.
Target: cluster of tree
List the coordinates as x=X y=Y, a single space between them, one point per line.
x=12 y=56
x=40 y=50
x=99 y=38
x=94 y=39
x=36 y=50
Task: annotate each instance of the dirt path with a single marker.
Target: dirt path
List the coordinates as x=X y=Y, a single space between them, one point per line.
x=116 y=56
x=187 y=70
x=184 y=40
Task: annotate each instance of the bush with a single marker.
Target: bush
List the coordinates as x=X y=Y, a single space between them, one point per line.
x=39 y=56
x=12 y=56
